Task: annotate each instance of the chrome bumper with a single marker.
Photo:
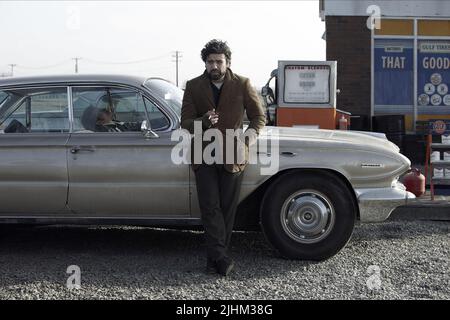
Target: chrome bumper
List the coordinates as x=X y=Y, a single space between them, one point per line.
x=376 y=205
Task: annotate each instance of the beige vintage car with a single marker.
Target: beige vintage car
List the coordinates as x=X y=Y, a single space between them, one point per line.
x=61 y=164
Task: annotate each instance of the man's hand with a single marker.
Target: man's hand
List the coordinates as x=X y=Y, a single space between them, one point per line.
x=210 y=118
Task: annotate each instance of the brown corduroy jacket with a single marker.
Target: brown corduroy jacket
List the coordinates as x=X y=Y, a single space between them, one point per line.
x=237 y=96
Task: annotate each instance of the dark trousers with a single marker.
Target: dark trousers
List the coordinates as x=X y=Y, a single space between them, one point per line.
x=218 y=195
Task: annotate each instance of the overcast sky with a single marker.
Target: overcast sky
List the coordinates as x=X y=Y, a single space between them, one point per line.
x=42 y=37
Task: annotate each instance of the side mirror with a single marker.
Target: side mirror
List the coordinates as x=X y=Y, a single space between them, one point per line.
x=264 y=91
x=147 y=131
x=274 y=73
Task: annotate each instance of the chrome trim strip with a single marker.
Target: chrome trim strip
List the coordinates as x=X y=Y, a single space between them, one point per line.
x=372 y=165
x=70 y=106
x=85 y=220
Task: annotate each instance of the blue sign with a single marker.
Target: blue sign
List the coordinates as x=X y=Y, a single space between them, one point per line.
x=433 y=79
x=394 y=79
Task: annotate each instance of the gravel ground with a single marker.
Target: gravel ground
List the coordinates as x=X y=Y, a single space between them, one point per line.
x=391 y=260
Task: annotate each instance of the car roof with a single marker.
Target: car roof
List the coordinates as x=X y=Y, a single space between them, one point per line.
x=135 y=81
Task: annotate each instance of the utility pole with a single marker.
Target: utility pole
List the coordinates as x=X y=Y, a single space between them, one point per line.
x=76 y=63
x=12 y=65
x=177 y=57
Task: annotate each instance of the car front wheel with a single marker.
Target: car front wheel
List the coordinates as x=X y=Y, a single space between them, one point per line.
x=308 y=215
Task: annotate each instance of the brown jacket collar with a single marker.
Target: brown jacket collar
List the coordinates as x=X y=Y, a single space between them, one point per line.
x=206 y=84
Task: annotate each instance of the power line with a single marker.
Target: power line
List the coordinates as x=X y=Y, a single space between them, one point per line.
x=44 y=67
x=127 y=62
x=76 y=59
x=89 y=60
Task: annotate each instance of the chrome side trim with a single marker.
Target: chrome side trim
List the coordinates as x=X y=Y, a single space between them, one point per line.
x=372 y=165
x=376 y=204
x=86 y=220
x=70 y=106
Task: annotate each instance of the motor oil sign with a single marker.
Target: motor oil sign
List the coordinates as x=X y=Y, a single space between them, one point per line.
x=433 y=73
x=439 y=126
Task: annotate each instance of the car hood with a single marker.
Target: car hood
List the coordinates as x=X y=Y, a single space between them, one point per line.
x=320 y=138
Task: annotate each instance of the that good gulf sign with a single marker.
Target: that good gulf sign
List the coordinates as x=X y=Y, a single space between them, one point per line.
x=394 y=81
x=433 y=77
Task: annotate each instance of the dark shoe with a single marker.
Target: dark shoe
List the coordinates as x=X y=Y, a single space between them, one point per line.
x=225 y=266
x=211 y=266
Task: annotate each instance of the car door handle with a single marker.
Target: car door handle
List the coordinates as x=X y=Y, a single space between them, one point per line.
x=76 y=149
x=288 y=154
x=266 y=153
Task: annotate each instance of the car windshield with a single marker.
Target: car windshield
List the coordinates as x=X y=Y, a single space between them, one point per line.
x=167 y=92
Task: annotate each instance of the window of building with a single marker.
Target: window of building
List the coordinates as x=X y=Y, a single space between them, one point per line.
x=411 y=71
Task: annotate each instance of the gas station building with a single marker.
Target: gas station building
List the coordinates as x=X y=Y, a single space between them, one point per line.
x=393 y=58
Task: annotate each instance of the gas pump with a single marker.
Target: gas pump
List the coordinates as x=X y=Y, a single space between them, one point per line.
x=305 y=96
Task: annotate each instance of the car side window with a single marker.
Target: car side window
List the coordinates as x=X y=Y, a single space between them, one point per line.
x=112 y=109
x=158 y=120
x=34 y=110
x=107 y=109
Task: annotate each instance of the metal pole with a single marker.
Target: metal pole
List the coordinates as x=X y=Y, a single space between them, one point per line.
x=177 y=57
x=415 y=70
x=76 y=63
x=177 y=67
x=12 y=65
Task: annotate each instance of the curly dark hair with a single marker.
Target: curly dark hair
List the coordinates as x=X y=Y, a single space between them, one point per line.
x=216 y=46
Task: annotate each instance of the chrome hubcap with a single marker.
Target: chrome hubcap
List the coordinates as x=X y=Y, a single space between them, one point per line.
x=307 y=216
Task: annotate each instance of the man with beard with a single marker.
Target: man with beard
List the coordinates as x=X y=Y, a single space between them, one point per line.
x=217 y=100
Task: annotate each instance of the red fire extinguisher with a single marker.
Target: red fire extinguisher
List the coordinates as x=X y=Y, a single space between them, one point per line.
x=343 y=123
x=414 y=182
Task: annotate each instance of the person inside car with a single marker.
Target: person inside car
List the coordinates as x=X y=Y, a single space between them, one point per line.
x=106 y=122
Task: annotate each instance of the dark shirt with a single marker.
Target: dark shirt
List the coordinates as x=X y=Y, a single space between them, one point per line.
x=216 y=93
x=216 y=96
